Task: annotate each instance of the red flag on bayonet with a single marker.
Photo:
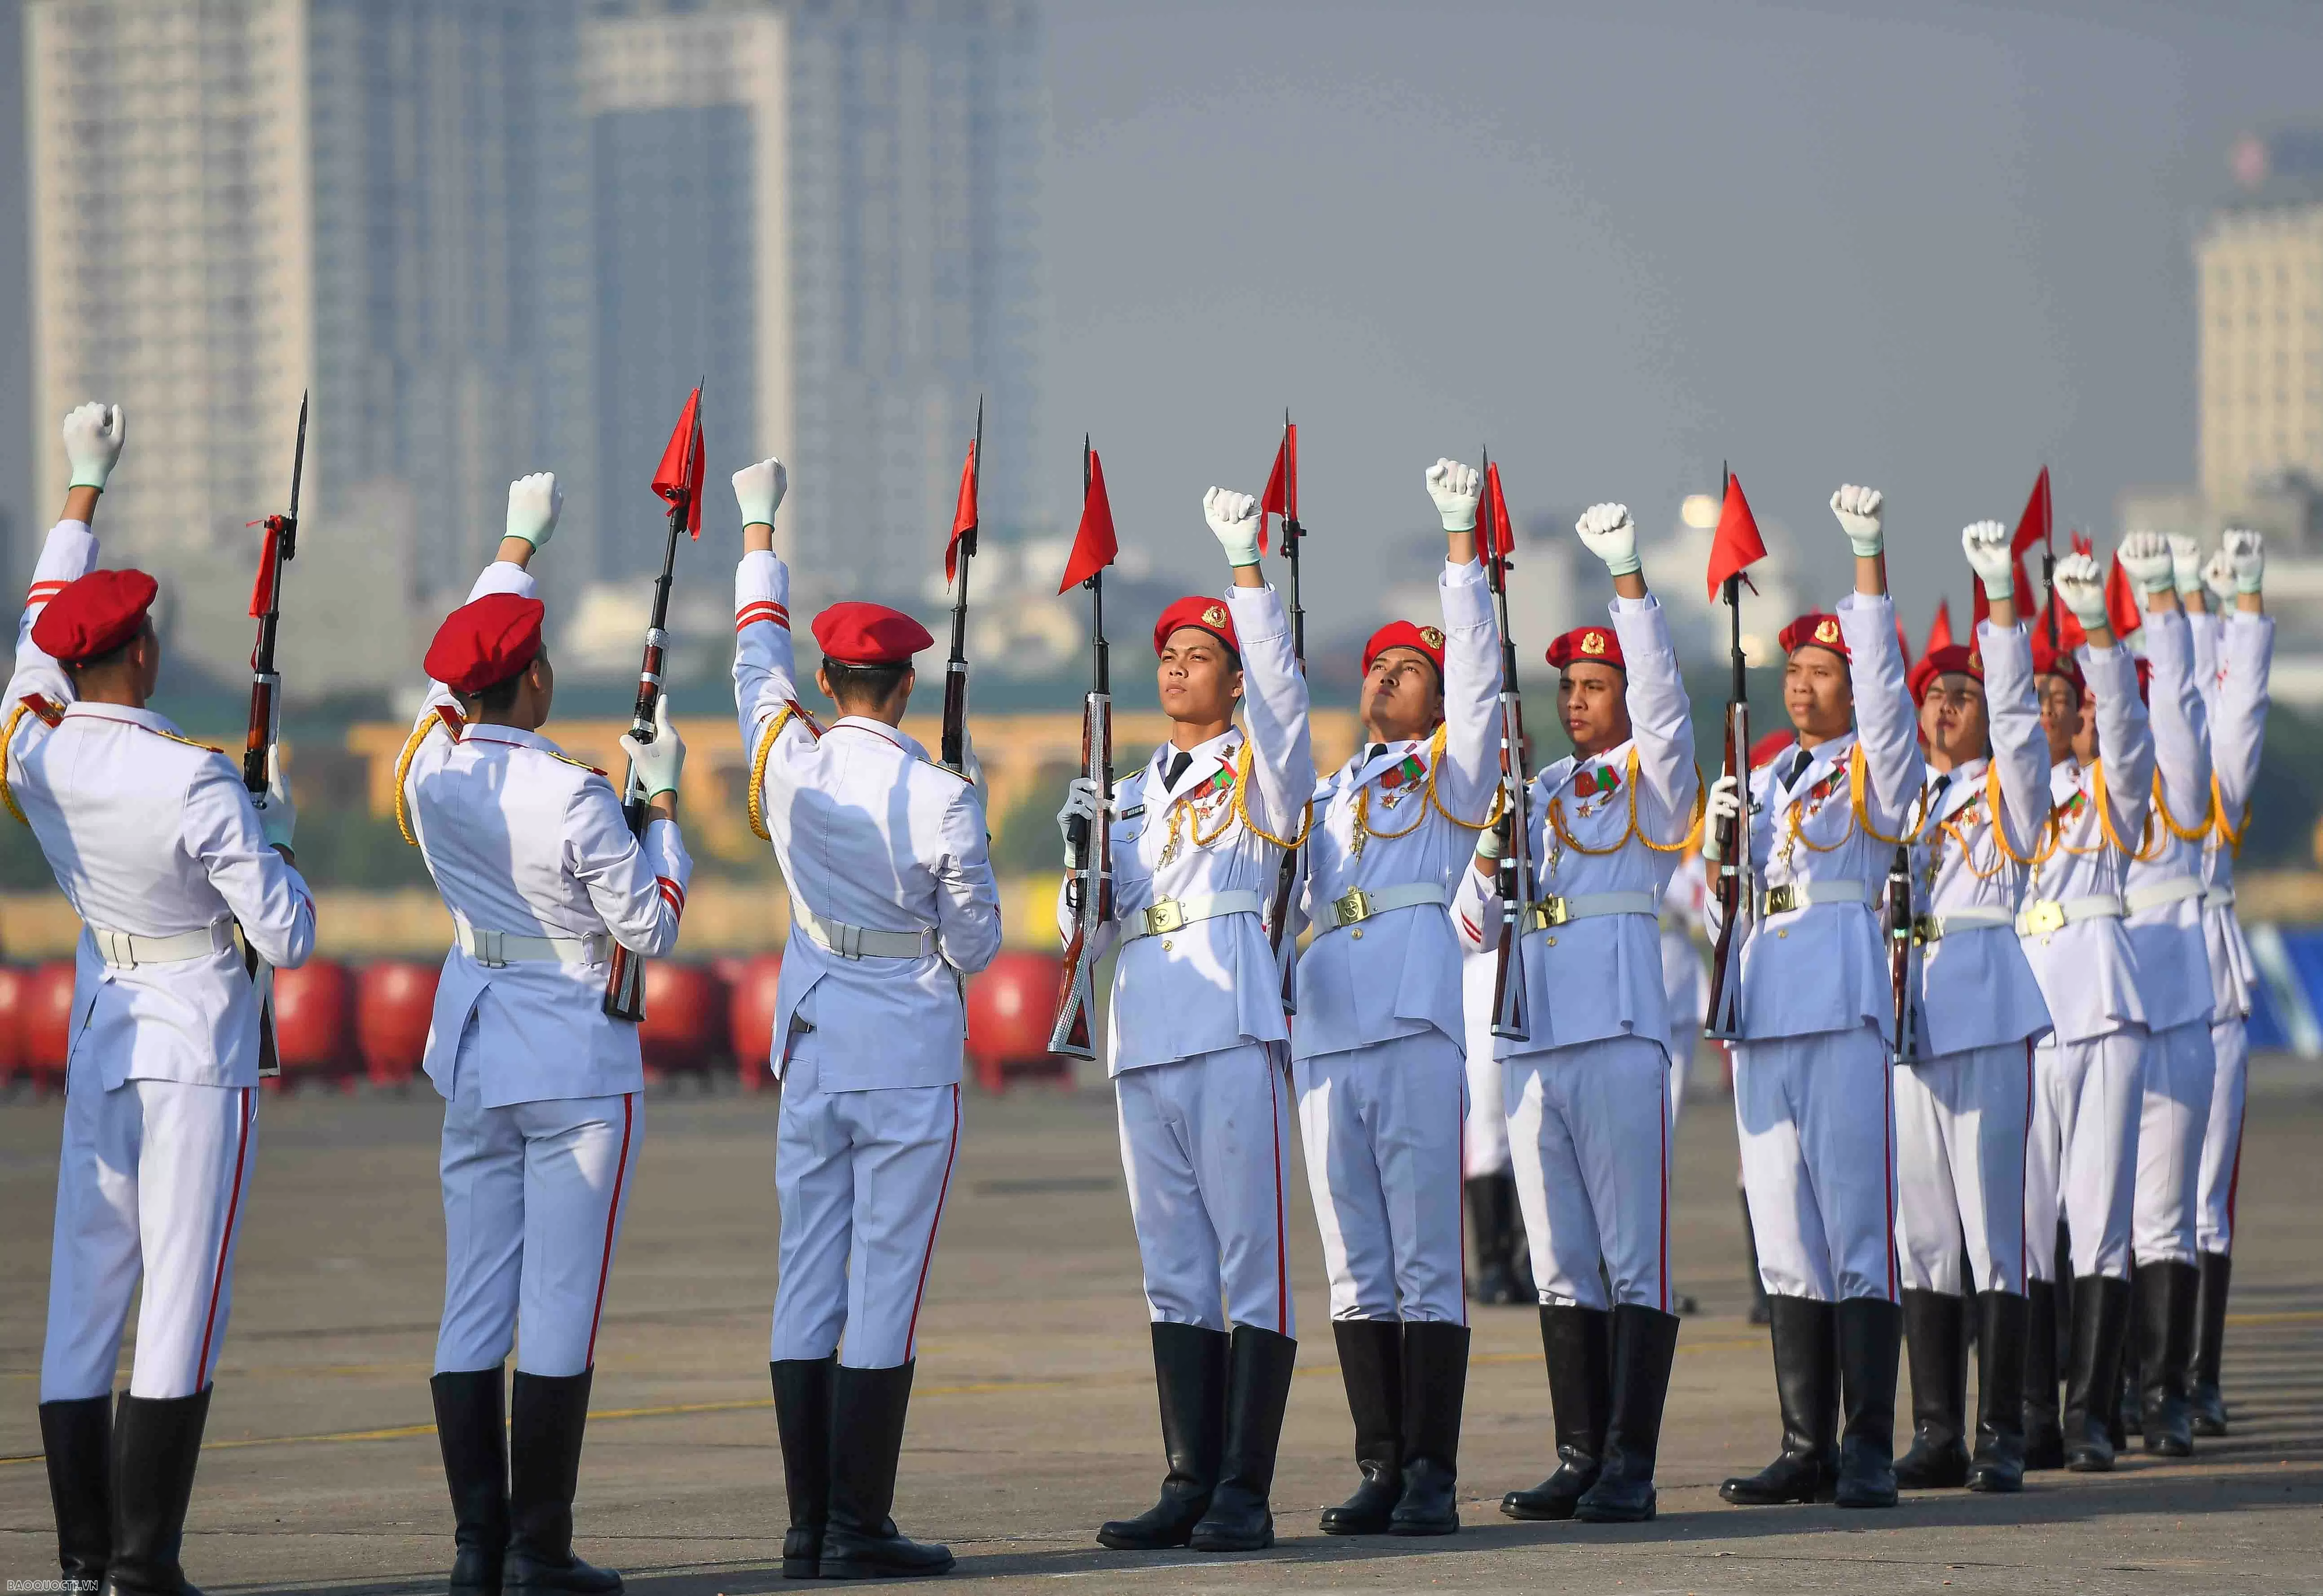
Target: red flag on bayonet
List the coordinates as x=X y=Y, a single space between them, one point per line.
x=1281 y=495
x=2124 y=610
x=678 y=477
x=1499 y=532
x=1940 y=630
x=1094 y=544
x=963 y=515
x=1735 y=544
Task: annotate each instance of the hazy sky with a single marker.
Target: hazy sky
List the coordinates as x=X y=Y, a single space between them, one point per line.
x=1924 y=245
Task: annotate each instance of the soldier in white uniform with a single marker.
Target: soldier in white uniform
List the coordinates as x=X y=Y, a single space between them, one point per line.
x=1196 y=1040
x=1489 y=1177
x=544 y=1106
x=1378 y=1055
x=2234 y=648
x=893 y=903
x=1588 y=1090
x=1811 y=1084
x=1963 y=1106
x=2163 y=897
x=159 y=849
x=2080 y=1159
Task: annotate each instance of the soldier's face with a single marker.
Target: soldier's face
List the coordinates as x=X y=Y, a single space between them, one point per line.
x=1953 y=720
x=2061 y=717
x=1401 y=696
x=1592 y=701
x=1817 y=692
x=1197 y=677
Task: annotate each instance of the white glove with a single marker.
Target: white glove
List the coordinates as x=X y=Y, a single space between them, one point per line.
x=2219 y=577
x=758 y=490
x=1081 y=804
x=1234 y=522
x=93 y=433
x=654 y=766
x=277 y=816
x=2145 y=556
x=1489 y=844
x=535 y=503
x=1456 y=488
x=2186 y=563
x=2080 y=582
x=1857 y=509
x=1725 y=802
x=1611 y=536
x=1986 y=544
x=2247 y=550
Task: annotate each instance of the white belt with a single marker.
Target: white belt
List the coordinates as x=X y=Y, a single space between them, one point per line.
x=1169 y=914
x=1803 y=895
x=2044 y=915
x=498 y=949
x=1354 y=907
x=121 y=950
x=855 y=942
x=1555 y=912
x=1935 y=928
x=2218 y=897
x=2154 y=894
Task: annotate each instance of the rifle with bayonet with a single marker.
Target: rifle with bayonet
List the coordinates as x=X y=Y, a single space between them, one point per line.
x=1514 y=880
x=258 y=753
x=1738 y=885
x=962 y=549
x=1089 y=889
x=1281 y=496
x=1900 y=943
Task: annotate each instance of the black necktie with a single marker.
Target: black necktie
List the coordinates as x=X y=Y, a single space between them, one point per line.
x=1177 y=768
x=1935 y=803
x=1798 y=769
x=1375 y=751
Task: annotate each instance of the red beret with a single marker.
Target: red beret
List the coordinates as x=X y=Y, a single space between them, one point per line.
x=1588 y=645
x=1208 y=615
x=859 y=634
x=2057 y=662
x=485 y=642
x=1953 y=659
x=1816 y=628
x=1763 y=751
x=1402 y=634
x=94 y=615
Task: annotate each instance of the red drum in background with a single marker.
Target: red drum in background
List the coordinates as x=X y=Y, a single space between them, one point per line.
x=45 y=1022
x=1010 y=1006
x=685 y=1018
x=750 y=1017
x=12 y=983
x=313 y=1020
x=394 y=1001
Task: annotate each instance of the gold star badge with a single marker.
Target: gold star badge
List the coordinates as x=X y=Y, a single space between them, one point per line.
x=1215 y=615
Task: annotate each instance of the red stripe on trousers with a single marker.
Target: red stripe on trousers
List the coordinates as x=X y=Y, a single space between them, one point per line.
x=2235 y=1180
x=2025 y=1178
x=1460 y=1208
x=1665 y=1244
x=226 y=1243
x=613 y=1219
x=912 y=1331
x=1281 y=1264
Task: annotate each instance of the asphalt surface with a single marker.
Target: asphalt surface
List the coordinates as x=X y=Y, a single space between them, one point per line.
x=1034 y=1417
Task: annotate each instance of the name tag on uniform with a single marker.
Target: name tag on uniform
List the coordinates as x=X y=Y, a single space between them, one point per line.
x=1132 y=812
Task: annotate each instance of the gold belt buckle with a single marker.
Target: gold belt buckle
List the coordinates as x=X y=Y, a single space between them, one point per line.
x=2044 y=916
x=1926 y=928
x=1165 y=916
x=1549 y=912
x=1782 y=900
x=1353 y=907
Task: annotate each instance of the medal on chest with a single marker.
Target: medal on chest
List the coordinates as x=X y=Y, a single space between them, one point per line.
x=1206 y=811
x=1399 y=786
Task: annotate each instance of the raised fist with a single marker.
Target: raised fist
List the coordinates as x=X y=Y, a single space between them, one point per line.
x=2145 y=556
x=2219 y=577
x=1234 y=522
x=1857 y=509
x=2186 y=563
x=758 y=490
x=1611 y=536
x=1986 y=544
x=2080 y=582
x=93 y=433
x=2247 y=550
x=533 y=504
x=1456 y=488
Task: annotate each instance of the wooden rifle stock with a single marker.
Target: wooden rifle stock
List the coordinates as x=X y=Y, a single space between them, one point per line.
x=265 y=709
x=1737 y=884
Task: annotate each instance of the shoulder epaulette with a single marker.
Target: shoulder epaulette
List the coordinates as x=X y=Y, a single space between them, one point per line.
x=958 y=776
x=31 y=703
x=754 y=803
x=45 y=707
x=451 y=721
x=191 y=742
x=562 y=757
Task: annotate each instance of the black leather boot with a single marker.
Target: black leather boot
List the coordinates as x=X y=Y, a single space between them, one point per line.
x=1371 y=1362
x=1760 y=1313
x=2092 y=1376
x=2124 y=1417
x=474 y=1441
x=2168 y=1294
x=2045 y=1437
x=1577 y=1345
x=156 y=1443
x=1998 y=1464
x=1806 y=1385
x=1190 y=1369
x=1870 y=1341
x=859 y=1540
x=548 y=1417
x=76 y=1438
x=802 y=1395
x=1258 y=1387
x=1491 y=1210
x=1645 y=1341
x=1935 y=1330
x=1434 y=1385
x=2204 y=1395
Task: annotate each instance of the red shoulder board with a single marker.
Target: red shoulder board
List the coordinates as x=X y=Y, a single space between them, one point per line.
x=45 y=707
x=454 y=722
x=814 y=727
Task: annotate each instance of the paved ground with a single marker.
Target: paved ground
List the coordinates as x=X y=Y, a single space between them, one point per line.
x=1035 y=1417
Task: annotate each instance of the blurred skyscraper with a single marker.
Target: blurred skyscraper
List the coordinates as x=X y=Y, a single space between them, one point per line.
x=501 y=236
